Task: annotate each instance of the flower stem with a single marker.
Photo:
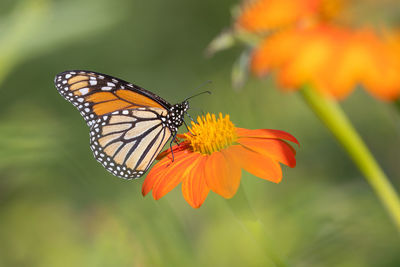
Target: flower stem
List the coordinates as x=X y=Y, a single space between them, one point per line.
x=245 y=215
x=337 y=122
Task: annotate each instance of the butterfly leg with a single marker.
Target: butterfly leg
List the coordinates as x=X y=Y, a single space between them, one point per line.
x=170 y=145
x=191 y=120
x=190 y=117
x=188 y=128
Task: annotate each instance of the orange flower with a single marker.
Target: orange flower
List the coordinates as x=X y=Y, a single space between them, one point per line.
x=265 y=15
x=333 y=59
x=365 y=59
x=211 y=158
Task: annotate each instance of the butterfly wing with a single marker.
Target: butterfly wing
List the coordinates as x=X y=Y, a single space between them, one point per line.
x=96 y=94
x=127 y=122
x=126 y=142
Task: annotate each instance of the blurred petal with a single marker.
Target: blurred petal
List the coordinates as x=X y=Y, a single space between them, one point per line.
x=222 y=174
x=310 y=55
x=175 y=173
x=314 y=48
x=274 y=51
x=264 y=15
x=371 y=62
x=266 y=133
x=274 y=148
x=257 y=164
x=194 y=187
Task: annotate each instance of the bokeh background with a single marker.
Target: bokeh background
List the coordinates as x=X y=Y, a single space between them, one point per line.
x=59 y=207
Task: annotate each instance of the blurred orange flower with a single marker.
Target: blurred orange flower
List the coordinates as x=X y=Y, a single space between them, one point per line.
x=265 y=15
x=212 y=155
x=332 y=59
x=305 y=46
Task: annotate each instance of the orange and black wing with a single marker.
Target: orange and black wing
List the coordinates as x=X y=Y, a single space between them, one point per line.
x=95 y=94
x=127 y=122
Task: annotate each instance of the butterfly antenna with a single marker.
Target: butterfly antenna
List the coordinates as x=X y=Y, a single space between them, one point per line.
x=208 y=92
x=201 y=85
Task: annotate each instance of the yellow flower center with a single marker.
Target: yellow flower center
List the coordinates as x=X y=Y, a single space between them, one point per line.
x=211 y=134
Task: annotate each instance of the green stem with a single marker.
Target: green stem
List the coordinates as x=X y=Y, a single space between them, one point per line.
x=335 y=119
x=245 y=215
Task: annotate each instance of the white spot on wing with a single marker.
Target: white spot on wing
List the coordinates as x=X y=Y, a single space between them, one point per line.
x=84 y=91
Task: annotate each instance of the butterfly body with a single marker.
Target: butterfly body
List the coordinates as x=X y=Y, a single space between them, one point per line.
x=128 y=124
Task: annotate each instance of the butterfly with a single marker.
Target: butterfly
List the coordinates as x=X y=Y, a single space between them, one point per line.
x=128 y=124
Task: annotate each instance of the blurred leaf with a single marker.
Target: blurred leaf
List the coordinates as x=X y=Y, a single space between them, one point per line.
x=240 y=69
x=36 y=26
x=223 y=41
x=27 y=137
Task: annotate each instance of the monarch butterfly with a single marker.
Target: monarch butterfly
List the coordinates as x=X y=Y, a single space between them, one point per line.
x=128 y=124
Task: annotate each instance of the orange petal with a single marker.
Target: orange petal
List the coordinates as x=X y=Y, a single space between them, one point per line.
x=266 y=133
x=274 y=148
x=194 y=187
x=159 y=170
x=222 y=174
x=257 y=164
x=156 y=172
x=264 y=15
x=174 y=174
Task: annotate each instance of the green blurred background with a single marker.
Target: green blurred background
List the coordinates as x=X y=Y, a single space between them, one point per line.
x=59 y=207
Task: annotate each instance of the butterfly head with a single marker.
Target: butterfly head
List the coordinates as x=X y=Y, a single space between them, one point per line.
x=176 y=115
x=185 y=105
